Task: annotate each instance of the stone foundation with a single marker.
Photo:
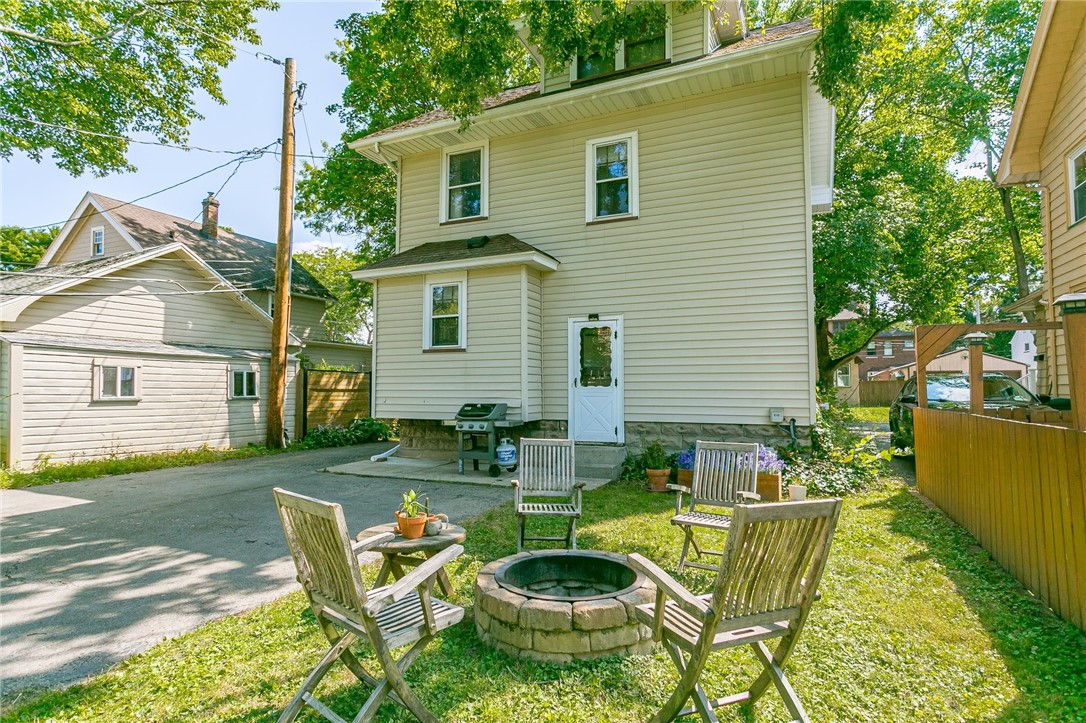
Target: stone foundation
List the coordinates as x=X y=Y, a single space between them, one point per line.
x=429 y=439
x=559 y=632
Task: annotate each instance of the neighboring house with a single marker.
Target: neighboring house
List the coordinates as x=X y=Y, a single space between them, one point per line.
x=955 y=360
x=620 y=253
x=138 y=351
x=888 y=350
x=101 y=227
x=1046 y=147
x=846 y=382
x=1024 y=350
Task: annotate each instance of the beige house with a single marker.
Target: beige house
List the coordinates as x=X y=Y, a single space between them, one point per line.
x=619 y=253
x=139 y=351
x=1046 y=148
x=955 y=360
x=101 y=227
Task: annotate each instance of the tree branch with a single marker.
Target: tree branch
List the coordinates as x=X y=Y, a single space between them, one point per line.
x=107 y=35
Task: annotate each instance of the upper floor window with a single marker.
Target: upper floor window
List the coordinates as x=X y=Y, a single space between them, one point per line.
x=910 y=344
x=592 y=65
x=464 y=183
x=445 y=314
x=651 y=44
x=647 y=47
x=888 y=348
x=98 y=241
x=1077 y=169
x=871 y=349
x=611 y=177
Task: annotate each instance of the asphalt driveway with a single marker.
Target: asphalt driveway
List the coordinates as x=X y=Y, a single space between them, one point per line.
x=93 y=572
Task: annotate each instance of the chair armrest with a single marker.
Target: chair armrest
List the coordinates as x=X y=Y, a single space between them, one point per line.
x=579 y=484
x=515 y=483
x=369 y=543
x=752 y=496
x=406 y=585
x=679 y=490
x=686 y=600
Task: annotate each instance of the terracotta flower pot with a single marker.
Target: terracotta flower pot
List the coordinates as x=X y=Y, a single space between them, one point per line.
x=412 y=527
x=658 y=479
x=686 y=477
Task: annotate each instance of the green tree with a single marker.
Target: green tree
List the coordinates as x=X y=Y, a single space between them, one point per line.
x=350 y=318
x=21 y=249
x=110 y=68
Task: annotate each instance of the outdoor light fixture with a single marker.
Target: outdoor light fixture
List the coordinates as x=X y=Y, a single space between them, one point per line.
x=1072 y=303
x=977 y=337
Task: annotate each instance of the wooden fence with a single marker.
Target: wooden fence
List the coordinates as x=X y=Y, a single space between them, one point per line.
x=332 y=398
x=879 y=394
x=1018 y=488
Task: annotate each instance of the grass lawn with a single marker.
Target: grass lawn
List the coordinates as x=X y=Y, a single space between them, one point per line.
x=916 y=622
x=871 y=414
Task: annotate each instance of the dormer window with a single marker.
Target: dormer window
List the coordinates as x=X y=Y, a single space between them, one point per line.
x=646 y=48
x=464 y=183
x=593 y=65
x=98 y=241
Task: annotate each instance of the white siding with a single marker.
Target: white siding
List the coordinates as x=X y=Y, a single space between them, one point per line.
x=557 y=78
x=183 y=405
x=154 y=315
x=688 y=31
x=341 y=356
x=534 y=336
x=711 y=279
x=5 y=401
x=1066 y=270
x=414 y=385
x=77 y=247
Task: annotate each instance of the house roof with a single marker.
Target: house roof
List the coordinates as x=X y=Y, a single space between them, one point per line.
x=245 y=261
x=23 y=283
x=477 y=251
x=140 y=346
x=1059 y=27
x=755 y=38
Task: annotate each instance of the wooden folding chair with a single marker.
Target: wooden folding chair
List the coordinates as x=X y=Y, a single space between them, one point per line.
x=547 y=470
x=388 y=617
x=768 y=577
x=724 y=473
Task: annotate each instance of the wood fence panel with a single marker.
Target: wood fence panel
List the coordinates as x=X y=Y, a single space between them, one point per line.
x=335 y=397
x=1018 y=488
x=879 y=394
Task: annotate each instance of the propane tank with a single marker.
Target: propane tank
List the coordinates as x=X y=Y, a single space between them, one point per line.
x=507 y=453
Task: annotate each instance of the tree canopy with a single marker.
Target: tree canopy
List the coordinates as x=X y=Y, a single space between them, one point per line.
x=76 y=78
x=21 y=248
x=349 y=318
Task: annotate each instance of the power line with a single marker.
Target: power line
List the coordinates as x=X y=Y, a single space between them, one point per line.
x=255 y=152
x=216 y=38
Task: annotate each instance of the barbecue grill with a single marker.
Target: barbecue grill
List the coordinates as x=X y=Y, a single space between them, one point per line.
x=477 y=426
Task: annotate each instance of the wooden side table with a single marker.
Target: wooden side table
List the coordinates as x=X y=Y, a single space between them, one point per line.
x=403 y=553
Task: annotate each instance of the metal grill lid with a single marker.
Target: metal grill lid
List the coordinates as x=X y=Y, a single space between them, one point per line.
x=485 y=411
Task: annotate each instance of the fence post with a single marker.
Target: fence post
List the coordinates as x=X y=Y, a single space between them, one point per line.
x=976 y=371
x=1073 y=311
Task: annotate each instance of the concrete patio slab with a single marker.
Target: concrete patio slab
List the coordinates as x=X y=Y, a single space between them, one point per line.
x=428 y=470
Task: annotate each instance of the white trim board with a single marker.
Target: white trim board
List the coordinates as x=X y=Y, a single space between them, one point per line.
x=535 y=259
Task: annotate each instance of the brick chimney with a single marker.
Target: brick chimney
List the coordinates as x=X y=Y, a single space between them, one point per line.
x=210 y=226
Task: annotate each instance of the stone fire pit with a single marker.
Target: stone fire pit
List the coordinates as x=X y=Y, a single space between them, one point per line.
x=554 y=606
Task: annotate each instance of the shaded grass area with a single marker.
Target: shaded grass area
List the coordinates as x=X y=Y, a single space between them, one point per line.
x=915 y=622
x=47 y=474
x=871 y=414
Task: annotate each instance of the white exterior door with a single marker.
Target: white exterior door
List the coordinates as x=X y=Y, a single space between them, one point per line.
x=595 y=380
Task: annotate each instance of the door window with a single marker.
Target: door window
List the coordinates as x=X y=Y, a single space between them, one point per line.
x=596 y=356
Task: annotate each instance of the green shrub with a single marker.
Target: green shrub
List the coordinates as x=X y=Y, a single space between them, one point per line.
x=360 y=431
x=654 y=457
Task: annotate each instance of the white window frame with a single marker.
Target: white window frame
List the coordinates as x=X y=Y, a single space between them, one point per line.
x=1073 y=214
x=98 y=241
x=847 y=375
x=620 y=53
x=590 y=176
x=484 y=178
x=887 y=348
x=253 y=369
x=910 y=344
x=97 y=370
x=460 y=280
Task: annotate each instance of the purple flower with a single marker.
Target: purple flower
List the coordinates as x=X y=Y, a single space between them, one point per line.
x=768 y=461
x=685 y=460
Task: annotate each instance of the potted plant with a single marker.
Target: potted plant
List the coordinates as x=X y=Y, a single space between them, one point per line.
x=685 y=462
x=770 y=469
x=413 y=515
x=654 y=460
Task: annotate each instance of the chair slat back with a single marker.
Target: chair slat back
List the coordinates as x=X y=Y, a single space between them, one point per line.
x=547 y=467
x=774 y=558
x=316 y=533
x=721 y=470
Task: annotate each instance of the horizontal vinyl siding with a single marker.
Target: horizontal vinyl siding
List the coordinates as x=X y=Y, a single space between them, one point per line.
x=1066 y=133
x=307 y=318
x=183 y=405
x=201 y=319
x=534 y=391
x=688 y=31
x=339 y=356
x=711 y=279
x=78 y=245
x=414 y=385
x=5 y=401
x=557 y=78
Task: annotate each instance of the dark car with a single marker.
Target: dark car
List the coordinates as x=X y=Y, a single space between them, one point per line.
x=951 y=391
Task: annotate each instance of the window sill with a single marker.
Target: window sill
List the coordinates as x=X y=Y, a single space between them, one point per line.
x=469 y=219
x=243 y=399
x=1077 y=223
x=117 y=400
x=444 y=350
x=602 y=77
x=611 y=219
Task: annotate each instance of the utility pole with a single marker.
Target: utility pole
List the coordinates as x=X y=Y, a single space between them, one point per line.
x=281 y=319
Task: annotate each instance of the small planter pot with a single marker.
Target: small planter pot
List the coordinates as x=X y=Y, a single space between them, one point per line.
x=435 y=524
x=797 y=493
x=412 y=527
x=769 y=486
x=658 y=479
x=686 y=478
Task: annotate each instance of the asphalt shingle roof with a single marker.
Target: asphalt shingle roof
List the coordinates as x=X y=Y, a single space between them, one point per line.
x=35 y=280
x=244 y=261
x=457 y=250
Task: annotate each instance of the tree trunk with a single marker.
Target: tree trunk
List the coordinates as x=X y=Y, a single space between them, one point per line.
x=826 y=364
x=1016 y=241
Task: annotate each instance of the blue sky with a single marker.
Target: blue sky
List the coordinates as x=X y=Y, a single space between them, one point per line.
x=32 y=194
